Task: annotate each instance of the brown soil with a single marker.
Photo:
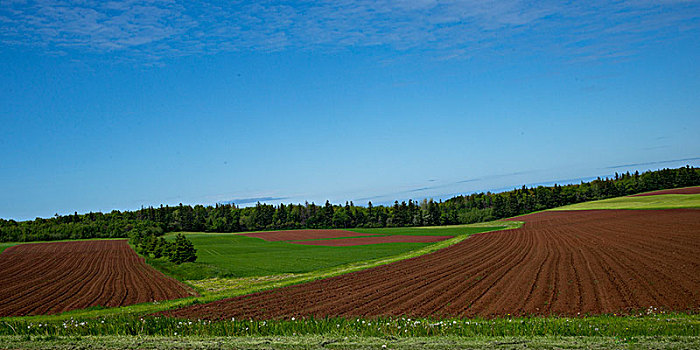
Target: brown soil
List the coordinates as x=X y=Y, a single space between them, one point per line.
x=374 y=240
x=49 y=278
x=295 y=235
x=686 y=190
x=559 y=262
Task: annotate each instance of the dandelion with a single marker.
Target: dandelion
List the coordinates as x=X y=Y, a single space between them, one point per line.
x=294 y=319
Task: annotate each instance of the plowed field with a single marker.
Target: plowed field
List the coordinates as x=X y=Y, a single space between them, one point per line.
x=48 y=278
x=687 y=190
x=348 y=242
x=563 y=263
x=294 y=235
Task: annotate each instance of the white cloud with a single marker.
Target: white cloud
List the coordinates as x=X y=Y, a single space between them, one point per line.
x=455 y=28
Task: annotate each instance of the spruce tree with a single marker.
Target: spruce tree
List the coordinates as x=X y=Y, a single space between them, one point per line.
x=183 y=251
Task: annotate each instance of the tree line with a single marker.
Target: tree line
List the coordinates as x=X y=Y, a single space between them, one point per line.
x=463 y=209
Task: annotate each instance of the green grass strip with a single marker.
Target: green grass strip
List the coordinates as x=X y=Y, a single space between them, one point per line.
x=662 y=201
x=641 y=324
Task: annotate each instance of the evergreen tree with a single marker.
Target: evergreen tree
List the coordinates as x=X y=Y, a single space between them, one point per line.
x=183 y=250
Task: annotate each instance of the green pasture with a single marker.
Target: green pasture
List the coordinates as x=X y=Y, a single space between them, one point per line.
x=663 y=201
x=241 y=256
x=226 y=255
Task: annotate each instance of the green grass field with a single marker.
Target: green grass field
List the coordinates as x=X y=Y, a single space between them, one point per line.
x=226 y=255
x=663 y=201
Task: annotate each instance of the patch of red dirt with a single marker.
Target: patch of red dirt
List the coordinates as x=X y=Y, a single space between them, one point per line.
x=686 y=190
x=558 y=263
x=295 y=235
x=49 y=278
x=374 y=240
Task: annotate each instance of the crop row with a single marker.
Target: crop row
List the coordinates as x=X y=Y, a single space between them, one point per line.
x=49 y=278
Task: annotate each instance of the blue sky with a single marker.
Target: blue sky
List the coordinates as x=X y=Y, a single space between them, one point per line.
x=115 y=105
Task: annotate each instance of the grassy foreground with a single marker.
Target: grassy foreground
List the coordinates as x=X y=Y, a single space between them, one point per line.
x=642 y=324
x=647 y=329
x=662 y=201
x=324 y=342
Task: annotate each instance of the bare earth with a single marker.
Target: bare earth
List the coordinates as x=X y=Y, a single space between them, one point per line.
x=687 y=190
x=294 y=235
x=347 y=242
x=49 y=278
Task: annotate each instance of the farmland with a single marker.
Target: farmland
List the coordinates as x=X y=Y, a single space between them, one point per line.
x=559 y=263
x=611 y=278
x=239 y=255
x=105 y=273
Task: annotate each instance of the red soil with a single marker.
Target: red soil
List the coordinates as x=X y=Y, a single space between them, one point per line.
x=559 y=262
x=49 y=278
x=374 y=240
x=295 y=235
x=686 y=190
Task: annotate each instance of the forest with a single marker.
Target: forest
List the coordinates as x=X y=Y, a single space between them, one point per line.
x=463 y=209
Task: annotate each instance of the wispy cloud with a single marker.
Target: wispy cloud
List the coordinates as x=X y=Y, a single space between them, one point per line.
x=253 y=200
x=689 y=160
x=155 y=29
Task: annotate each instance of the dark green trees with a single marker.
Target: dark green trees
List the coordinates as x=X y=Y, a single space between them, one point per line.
x=463 y=209
x=183 y=250
x=147 y=244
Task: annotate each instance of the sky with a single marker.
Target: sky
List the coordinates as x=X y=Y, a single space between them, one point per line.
x=121 y=104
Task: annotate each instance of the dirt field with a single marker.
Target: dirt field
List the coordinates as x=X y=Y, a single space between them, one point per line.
x=347 y=242
x=687 y=190
x=295 y=235
x=563 y=263
x=48 y=278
